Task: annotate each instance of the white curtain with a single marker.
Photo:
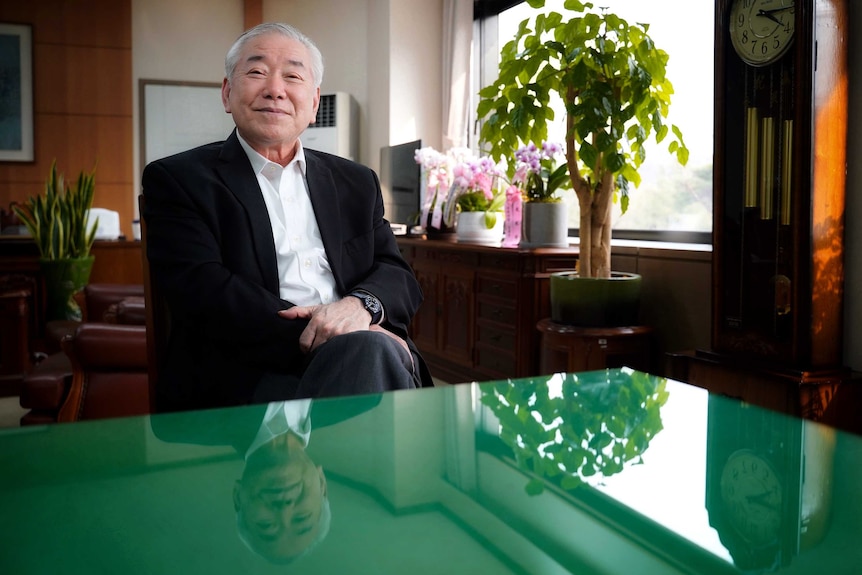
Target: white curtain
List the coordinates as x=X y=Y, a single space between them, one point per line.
x=457 y=39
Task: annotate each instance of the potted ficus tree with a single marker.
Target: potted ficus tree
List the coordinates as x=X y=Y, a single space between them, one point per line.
x=57 y=222
x=611 y=78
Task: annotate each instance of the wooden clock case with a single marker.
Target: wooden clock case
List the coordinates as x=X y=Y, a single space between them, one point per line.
x=778 y=217
x=778 y=261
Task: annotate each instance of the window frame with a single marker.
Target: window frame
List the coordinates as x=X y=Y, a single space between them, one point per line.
x=485 y=51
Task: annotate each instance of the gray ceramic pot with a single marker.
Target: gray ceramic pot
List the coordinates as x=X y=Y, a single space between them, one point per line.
x=544 y=225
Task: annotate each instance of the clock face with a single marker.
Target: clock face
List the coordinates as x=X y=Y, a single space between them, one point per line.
x=752 y=497
x=761 y=31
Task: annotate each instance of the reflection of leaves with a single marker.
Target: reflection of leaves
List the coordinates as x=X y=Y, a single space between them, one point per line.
x=570 y=427
x=535 y=487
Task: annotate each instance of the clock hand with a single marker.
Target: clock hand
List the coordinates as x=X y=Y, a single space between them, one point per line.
x=760 y=499
x=769 y=15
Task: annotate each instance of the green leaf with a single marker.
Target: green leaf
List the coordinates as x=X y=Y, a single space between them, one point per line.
x=534 y=487
x=615 y=162
x=575 y=5
x=570 y=482
x=604 y=142
x=624 y=203
x=588 y=155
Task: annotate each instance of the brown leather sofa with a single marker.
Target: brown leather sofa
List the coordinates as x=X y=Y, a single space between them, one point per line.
x=101 y=370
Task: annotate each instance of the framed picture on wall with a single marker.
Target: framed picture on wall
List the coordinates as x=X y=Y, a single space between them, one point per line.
x=16 y=93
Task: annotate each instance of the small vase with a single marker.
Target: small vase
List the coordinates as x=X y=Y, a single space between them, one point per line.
x=544 y=225
x=512 y=226
x=63 y=279
x=471 y=228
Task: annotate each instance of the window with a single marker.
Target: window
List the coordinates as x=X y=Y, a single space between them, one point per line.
x=673 y=202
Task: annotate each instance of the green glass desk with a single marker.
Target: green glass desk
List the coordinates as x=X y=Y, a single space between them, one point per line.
x=602 y=472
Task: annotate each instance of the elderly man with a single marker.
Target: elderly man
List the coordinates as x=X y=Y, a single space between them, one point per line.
x=282 y=277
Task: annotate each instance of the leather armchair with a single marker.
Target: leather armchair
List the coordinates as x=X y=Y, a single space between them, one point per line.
x=109 y=372
x=98 y=302
x=47 y=388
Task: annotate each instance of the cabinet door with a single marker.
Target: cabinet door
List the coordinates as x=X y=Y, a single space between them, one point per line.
x=424 y=326
x=456 y=318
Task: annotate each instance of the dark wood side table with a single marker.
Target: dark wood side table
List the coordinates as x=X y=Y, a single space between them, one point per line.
x=568 y=348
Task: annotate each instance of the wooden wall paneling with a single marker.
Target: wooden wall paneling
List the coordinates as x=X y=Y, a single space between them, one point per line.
x=252 y=11
x=106 y=23
x=675 y=297
x=73 y=80
x=82 y=70
x=117 y=262
x=81 y=22
x=84 y=142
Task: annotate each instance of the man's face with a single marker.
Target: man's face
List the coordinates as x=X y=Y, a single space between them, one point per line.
x=280 y=497
x=271 y=95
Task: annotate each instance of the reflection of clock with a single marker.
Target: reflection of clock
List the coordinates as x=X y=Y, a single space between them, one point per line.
x=751 y=491
x=768 y=482
x=778 y=179
x=762 y=30
x=754 y=481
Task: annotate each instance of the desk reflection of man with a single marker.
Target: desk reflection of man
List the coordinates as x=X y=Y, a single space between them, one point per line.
x=281 y=503
x=282 y=510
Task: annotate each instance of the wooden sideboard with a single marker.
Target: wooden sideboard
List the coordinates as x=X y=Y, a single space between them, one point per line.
x=482 y=304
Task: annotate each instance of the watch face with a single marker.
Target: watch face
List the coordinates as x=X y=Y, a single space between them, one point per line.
x=372 y=304
x=761 y=31
x=751 y=495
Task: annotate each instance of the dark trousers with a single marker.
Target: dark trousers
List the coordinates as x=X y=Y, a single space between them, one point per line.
x=351 y=364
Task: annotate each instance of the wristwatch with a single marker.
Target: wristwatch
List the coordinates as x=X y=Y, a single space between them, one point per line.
x=371 y=303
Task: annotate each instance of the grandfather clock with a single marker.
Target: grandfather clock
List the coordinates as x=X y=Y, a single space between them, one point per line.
x=779 y=175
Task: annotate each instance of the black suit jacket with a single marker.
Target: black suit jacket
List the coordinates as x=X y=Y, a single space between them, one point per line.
x=212 y=255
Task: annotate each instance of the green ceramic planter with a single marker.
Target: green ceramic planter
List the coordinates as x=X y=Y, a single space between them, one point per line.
x=64 y=278
x=595 y=302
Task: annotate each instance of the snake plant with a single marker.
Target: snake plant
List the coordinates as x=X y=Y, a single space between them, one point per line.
x=57 y=220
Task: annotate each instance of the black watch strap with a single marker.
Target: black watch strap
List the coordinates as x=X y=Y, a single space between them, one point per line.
x=371 y=303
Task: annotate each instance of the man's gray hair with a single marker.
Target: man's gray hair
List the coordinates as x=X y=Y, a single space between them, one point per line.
x=286 y=30
x=249 y=540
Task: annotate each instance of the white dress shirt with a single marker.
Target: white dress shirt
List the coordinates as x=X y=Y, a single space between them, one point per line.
x=281 y=417
x=304 y=275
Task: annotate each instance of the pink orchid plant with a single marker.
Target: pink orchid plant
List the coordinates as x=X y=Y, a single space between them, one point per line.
x=459 y=181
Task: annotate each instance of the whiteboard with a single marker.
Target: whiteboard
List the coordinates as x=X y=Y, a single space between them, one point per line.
x=177 y=116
